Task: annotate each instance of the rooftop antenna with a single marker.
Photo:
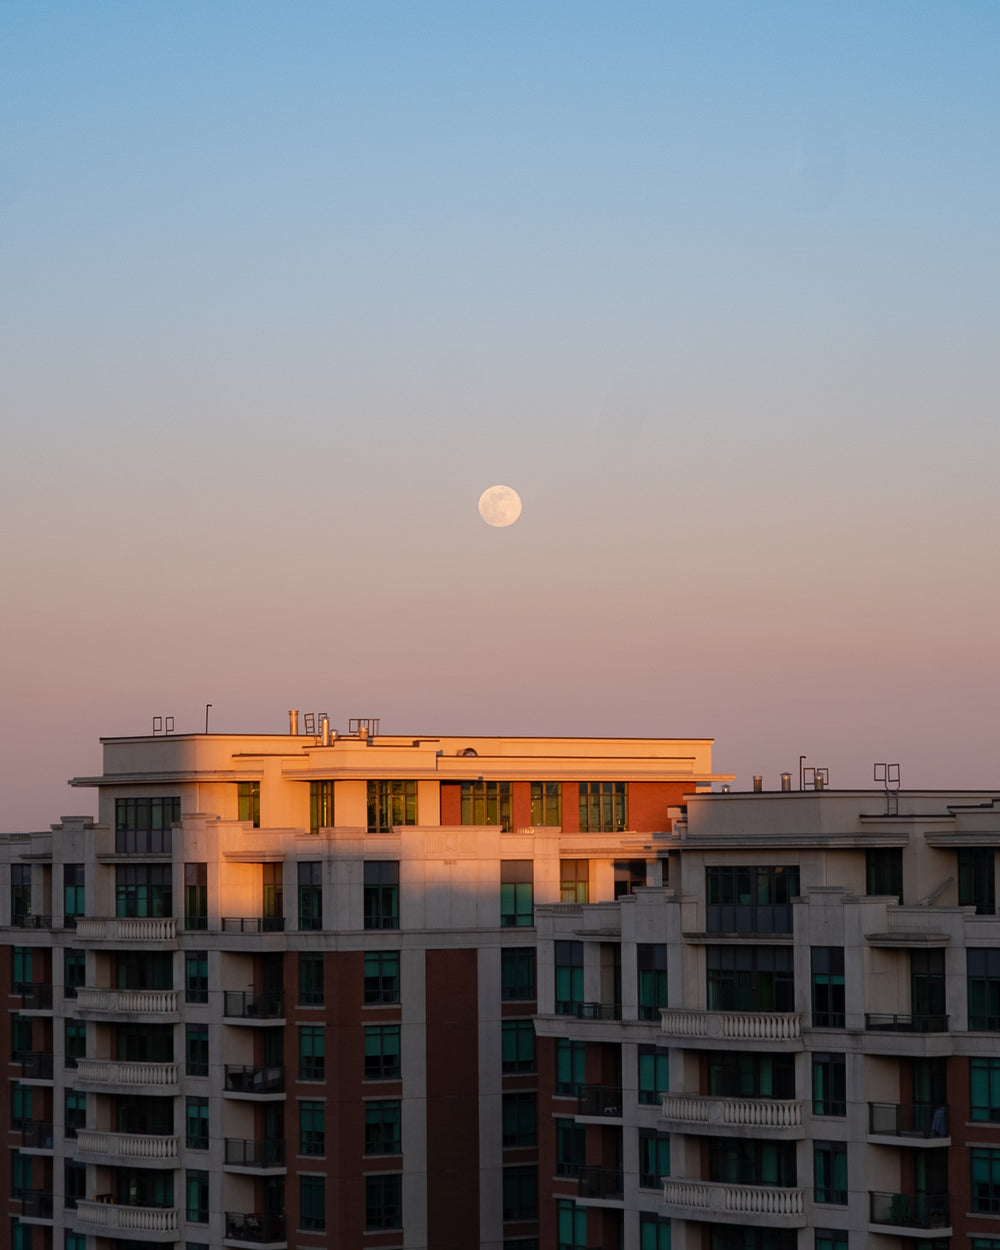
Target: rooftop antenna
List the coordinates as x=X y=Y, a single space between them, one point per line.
x=207 y=706
x=888 y=774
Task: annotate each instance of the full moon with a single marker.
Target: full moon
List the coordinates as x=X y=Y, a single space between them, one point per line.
x=500 y=505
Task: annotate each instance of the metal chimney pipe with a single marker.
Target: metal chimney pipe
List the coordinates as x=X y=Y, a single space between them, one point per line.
x=786 y=781
x=324 y=731
x=758 y=783
x=818 y=782
x=293 y=721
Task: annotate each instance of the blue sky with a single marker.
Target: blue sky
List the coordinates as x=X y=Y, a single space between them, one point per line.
x=714 y=287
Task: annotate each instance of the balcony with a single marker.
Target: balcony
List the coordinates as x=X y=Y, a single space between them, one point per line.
x=890 y=1212
x=248 y=1080
x=35 y=996
x=918 y=1122
x=604 y=1183
x=22 y=921
x=104 y=1075
x=126 y=929
x=98 y=1146
x=255 y=1155
x=149 y=1005
x=253 y=1006
x=105 y=1218
x=762 y=1028
x=253 y=924
x=602 y=1100
x=36 y=1204
x=737 y=1204
x=882 y=1022
x=727 y=1117
x=36 y=1065
x=36 y=1135
x=590 y=1011
x=257 y=1228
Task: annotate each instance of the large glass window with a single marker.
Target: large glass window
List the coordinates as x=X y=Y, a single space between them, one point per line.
x=750 y=978
x=654 y=1232
x=651 y=962
x=310 y=894
x=21 y=967
x=381 y=977
x=196 y=1187
x=311 y=978
x=984 y=989
x=884 y=871
x=516 y=892
x=828 y=987
x=630 y=875
x=248 y=802
x=391 y=803
x=927 y=988
x=74 y=971
x=311 y=1052
x=76 y=1042
x=520 y=1192
x=836 y=1239
x=196 y=896
x=383 y=1200
x=572 y=1225
x=829 y=1084
x=74 y=904
x=197 y=1123
x=382 y=1057
x=574 y=880
x=984 y=1089
x=518 y=1045
x=144 y=890
x=654 y=1075
x=569 y=978
x=571 y=1066
x=381 y=897
x=144 y=1043
x=142 y=825
x=977 y=880
x=985 y=1165
x=546 y=803
x=383 y=1127
x=312 y=1127
x=20 y=893
x=520 y=1119
x=20 y=1104
x=312 y=1203
x=602 y=806
x=196 y=1050
x=571 y=1147
x=517 y=973
x=143 y=970
x=750 y=1161
x=749 y=1074
x=486 y=803
x=745 y=899
x=830 y=1172
x=196 y=977
x=654 y=1158
x=320 y=806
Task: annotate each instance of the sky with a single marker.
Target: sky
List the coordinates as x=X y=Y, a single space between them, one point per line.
x=714 y=287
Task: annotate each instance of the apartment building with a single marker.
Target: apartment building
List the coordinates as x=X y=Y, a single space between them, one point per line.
x=346 y=990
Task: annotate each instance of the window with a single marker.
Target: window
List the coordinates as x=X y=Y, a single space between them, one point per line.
x=310 y=894
x=311 y=1063
x=984 y=989
x=742 y=899
x=382 y=1061
x=75 y=1115
x=602 y=806
x=517 y=892
x=651 y=961
x=830 y=1172
x=546 y=803
x=572 y=1225
x=381 y=893
x=73 y=894
x=654 y=1159
x=197 y=1196
x=144 y=890
x=520 y=1126
x=570 y=1066
x=144 y=1043
x=146 y=970
x=320 y=806
x=20 y=1036
x=74 y=1183
x=828 y=987
x=520 y=1243
x=310 y=978
x=76 y=1042
x=312 y=1127
x=20 y=1174
x=836 y=1239
x=391 y=803
x=654 y=1232
x=569 y=977
x=196 y=896
x=381 y=977
x=74 y=971
x=21 y=967
x=750 y=978
x=486 y=803
x=984 y=1094
x=746 y=1074
x=927 y=989
x=517 y=973
x=312 y=1203
x=520 y=1192
x=384 y=1200
x=977 y=880
x=75 y=1241
x=985 y=1166
x=145 y=1115
x=884 y=871
x=654 y=1075
x=20 y=1105
x=571 y=1147
x=829 y=1080
x=142 y=826
x=20 y=893
x=630 y=875
x=21 y=1235
x=518 y=1046
x=197 y=1123
x=248 y=802
x=574 y=880
x=383 y=1129
x=196 y=977
x=749 y=1161
x=196 y=1050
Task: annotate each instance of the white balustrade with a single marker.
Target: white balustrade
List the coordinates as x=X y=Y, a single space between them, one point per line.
x=124 y=1072
x=126 y=1145
x=127 y=928
x=120 y=1216
x=738 y=1026
x=133 y=1002
x=721 y=1199
x=699 y=1109
x=913 y=920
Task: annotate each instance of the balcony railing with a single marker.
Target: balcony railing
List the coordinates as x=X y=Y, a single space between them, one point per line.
x=265 y=1006
x=703 y=1110
x=909 y=1210
x=599 y=1100
x=737 y=1026
x=36 y=1204
x=36 y=1065
x=261 y=1227
x=597 y=1182
x=736 y=1201
x=126 y=928
x=253 y=924
x=126 y=1146
x=115 y=1217
x=883 y=1022
x=126 y=1002
x=125 y=1072
x=23 y=921
x=245 y=1153
x=590 y=1011
x=36 y=1135
x=245 y=1079
x=907 y=1119
x=35 y=996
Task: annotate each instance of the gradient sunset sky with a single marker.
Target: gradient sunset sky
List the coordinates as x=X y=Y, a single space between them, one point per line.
x=714 y=287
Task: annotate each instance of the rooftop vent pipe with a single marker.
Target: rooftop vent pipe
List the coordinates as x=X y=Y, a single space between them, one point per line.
x=786 y=781
x=324 y=731
x=293 y=721
x=819 y=781
x=758 y=783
